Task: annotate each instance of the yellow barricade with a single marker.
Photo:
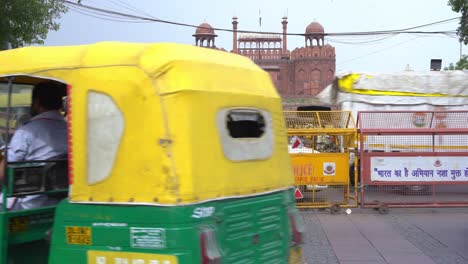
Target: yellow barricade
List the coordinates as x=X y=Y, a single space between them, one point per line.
x=322 y=145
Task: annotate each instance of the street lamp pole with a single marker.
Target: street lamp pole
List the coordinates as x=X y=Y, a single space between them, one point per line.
x=461 y=45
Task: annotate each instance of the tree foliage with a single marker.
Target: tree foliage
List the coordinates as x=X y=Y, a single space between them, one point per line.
x=461 y=6
x=462 y=64
x=25 y=22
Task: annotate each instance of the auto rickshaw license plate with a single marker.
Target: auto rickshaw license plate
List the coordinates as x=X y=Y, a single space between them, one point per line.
x=79 y=235
x=110 y=257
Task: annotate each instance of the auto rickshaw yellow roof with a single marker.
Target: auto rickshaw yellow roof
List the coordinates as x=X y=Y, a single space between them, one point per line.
x=152 y=59
x=149 y=122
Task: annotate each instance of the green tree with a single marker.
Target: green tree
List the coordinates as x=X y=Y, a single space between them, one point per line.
x=461 y=6
x=462 y=64
x=26 y=22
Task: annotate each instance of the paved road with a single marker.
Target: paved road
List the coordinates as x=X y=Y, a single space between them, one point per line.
x=426 y=236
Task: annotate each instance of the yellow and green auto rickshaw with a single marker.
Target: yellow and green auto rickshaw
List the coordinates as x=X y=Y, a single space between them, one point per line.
x=177 y=154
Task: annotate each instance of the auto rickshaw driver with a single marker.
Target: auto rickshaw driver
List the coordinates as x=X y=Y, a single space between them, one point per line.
x=44 y=137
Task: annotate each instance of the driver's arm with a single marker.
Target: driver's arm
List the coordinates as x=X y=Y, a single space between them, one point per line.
x=19 y=145
x=17 y=149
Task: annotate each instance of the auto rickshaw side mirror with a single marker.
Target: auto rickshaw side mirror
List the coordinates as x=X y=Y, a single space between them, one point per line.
x=65 y=104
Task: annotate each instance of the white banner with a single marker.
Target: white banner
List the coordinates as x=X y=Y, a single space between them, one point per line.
x=419 y=169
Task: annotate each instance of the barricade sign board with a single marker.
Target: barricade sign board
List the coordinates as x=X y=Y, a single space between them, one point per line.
x=420 y=168
x=320 y=168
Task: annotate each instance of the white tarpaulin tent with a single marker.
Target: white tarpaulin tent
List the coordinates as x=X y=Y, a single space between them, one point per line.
x=406 y=90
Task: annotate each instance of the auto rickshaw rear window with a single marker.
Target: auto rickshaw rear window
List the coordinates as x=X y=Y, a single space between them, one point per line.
x=245 y=124
x=245 y=133
x=105 y=126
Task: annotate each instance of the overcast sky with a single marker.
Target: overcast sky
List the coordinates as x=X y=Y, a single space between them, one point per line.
x=391 y=54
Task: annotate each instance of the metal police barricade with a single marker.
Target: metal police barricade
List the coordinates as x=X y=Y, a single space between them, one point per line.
x=322 y=148
x=413 y=159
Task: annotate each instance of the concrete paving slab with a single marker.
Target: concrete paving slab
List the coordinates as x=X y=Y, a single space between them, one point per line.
x=426 y=236
x=347 y=240
x=448 y=229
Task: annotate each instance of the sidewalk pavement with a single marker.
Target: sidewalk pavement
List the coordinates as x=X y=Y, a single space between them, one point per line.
x=415 y=236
